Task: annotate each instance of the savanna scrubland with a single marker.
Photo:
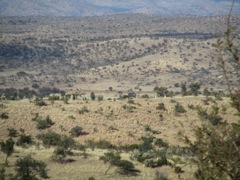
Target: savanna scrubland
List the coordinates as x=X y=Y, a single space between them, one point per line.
x=133 y=91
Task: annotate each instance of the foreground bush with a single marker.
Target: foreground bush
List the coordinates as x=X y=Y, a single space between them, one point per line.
x=28 y=168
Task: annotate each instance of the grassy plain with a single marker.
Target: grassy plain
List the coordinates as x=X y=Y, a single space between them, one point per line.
x=108 y=120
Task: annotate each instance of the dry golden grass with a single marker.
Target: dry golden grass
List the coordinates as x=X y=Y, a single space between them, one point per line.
x=100 y=124
x=113 y=124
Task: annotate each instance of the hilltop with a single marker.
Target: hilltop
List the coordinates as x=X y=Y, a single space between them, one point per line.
x=107 y=7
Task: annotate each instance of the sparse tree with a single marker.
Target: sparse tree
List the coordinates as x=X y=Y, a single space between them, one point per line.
x=7 y=148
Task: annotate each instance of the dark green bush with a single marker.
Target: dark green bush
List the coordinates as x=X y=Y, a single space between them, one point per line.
x=28 y=168
x=12 y=132
x=76 y=131
x=24 y=140
x=4 y=115
x=40 y=102
x=53 y=98
x=103 y=144
x=50 y=139
x=44 y=123
x=7 y=148
x=114 y=159
x=146 y=96
x=178 y=108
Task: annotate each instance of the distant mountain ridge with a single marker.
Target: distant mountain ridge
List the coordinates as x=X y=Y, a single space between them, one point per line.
x=107 y=7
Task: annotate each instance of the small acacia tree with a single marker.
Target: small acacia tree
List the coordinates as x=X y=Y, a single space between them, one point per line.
x=7 y=148
x=28 y=168
x=114 y=159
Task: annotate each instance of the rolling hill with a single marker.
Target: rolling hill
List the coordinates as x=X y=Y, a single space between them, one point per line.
x=106 y=7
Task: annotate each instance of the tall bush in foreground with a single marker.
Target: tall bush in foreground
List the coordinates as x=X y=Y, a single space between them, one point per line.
x=217 y=146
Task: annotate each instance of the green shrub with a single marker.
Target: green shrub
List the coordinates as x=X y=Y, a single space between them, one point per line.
x=178 y=108
x=29 y=168
x=71 y=117
x=161 y=91
x=76 y=131
x=4 y=115
x=194 y=87
x=114 y=159
x=7 y=148
x=161 y=106
x=146 y=96
x=44 y=123
x=12 y=132
x=91 y=178
x=40 y=102
x=129 y=108
x=159 y=142
x=202 y=113
x=50 y=139
x=53 y=98
x=59 y=154
x=93 y=96
x=24 y=140
x=213 y=117
x=83 y=110
x=103 y=144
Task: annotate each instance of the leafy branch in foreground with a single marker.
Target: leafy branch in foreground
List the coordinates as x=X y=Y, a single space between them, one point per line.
x=229 y=61
x=217 y=145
